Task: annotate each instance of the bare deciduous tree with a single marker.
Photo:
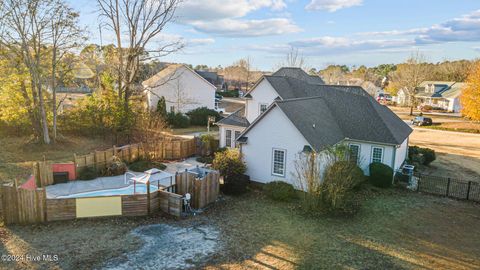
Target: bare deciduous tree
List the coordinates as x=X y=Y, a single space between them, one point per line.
x=24 y=34
x=409 y=75
x=65 y=35
x=135 y=23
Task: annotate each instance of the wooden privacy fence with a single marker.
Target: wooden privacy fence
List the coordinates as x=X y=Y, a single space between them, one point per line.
x=42 y=171
x=23 y=206
x=203 y=190
x=161 y=150
x=449 y=187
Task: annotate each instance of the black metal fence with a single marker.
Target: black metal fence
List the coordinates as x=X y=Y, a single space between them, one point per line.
x=449 y=187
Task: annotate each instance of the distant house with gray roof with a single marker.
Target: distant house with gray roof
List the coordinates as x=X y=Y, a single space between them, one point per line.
x=440 y=95
x=285 y=115
x=213 y=78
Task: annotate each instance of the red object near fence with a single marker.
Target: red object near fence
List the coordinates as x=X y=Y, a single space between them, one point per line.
x=65 y=167
x=30 y=184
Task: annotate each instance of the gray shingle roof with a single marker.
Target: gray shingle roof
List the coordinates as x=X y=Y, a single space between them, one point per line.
x=327 y=114
x=288 y=87
x=237 y=118
x=298 y=73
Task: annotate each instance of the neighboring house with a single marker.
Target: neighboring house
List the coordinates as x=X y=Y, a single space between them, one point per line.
x=67 y=97
x=240 y=119
x=183 y=89
x=285 y=115
x=440 y=95
x=213 y=78
x=402 y=98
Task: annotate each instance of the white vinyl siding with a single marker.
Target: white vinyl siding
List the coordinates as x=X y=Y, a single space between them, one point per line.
x=228 y=138
x=377 y=154
x=354 y=153
x=278 y=162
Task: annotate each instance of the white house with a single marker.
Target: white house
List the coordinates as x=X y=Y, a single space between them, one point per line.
x=183 y=89
x=440 y=95
x=285 y=115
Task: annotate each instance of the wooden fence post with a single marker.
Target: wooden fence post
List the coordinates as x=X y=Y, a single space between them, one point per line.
x=448 y=187
x=95 y=160
x=468 y=190
x=75 y=164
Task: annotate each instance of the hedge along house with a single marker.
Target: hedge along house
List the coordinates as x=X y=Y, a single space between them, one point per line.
x=303 y=115
x=183 y=89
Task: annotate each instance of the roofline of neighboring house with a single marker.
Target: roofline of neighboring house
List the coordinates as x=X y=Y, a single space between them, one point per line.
x=187 y=67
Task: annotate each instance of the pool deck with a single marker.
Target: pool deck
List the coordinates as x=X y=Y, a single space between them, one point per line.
x=111 y=182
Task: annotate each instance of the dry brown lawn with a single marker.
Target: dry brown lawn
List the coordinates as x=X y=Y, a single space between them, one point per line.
x=17 y=154
x=395 y=229
x=458 y=154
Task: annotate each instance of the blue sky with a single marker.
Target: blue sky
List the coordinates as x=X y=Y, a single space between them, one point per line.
x=351 y=32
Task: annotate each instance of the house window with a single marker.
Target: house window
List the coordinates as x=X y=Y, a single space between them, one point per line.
x=228 y=138
x=172 y=108
x=377 y=154
x=278 y=162
x=354 y=152
x=263 y=107
x=237 y=134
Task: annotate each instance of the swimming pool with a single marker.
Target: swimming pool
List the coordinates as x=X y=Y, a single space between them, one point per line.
x=128 y=190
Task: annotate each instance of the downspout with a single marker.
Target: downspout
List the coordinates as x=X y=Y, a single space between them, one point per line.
x=393 y=162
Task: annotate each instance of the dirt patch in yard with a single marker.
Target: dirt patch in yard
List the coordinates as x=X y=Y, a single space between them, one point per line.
x=169 y=247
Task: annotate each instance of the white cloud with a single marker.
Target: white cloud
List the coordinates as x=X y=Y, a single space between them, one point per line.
x=247 y=28
x=211 y=10
x=463 y=29
x=332 y=5
x=224 y=17
x=329 y=45
x=200 y=42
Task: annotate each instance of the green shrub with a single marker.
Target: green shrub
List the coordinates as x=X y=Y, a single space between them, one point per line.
x=229 y=163
x=280 y=191
x=144 y=165
x=117 y=167
x=199 y=116
x=380 y=175
x=178 y=120
x=87 y=173
x=428 y=155
x=236 y=184
x=337 y=191
x=421 y=156
x=231 y=166
x=233 y=93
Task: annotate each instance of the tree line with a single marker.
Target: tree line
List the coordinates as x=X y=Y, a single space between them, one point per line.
x=39 y=41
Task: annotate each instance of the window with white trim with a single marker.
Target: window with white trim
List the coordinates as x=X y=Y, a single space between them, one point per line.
x=263 y=107
x=354 y=152
x=228 y=138
x=172 y=108
x=237 y=134
x=377 y=154
x=278 y=162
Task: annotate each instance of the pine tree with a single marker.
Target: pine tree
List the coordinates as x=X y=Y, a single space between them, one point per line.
x=162 y=108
